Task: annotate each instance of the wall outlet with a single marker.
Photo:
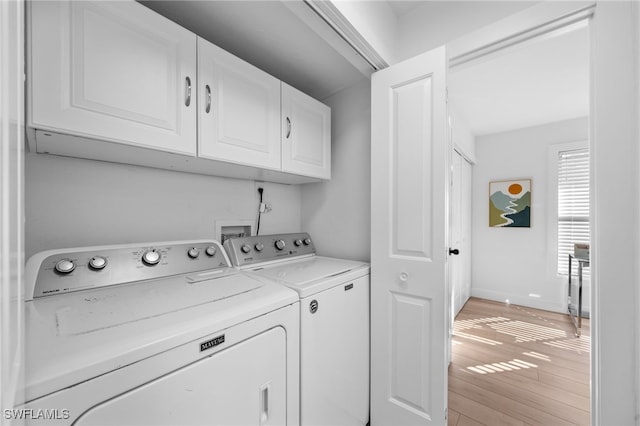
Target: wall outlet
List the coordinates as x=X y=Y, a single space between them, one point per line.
x=226 y=229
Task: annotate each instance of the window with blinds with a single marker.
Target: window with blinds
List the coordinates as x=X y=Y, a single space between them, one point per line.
x=573 y=205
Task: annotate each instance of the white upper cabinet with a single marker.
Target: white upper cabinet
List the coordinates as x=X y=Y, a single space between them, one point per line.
x=113 y=71
x=115 y=81
x=238 y=110
x=306 y=134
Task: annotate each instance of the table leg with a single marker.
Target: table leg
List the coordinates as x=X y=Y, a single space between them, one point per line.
x=579 y=328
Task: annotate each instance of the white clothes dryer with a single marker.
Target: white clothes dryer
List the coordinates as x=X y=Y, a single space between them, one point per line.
x=157 y=334
x=334 y=322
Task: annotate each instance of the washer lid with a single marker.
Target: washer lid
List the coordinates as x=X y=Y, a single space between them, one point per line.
x=90 y=312
x=308 y=275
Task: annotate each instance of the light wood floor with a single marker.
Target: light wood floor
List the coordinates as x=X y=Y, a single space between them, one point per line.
x=513 y=365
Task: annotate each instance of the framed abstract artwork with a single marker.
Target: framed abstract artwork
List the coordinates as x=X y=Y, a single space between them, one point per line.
x=510 y=204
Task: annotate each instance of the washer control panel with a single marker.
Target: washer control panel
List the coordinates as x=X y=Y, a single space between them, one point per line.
x=248 y=250
x=61 y=271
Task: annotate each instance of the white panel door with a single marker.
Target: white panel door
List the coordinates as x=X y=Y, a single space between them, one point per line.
x=306 y=134
x=456 y=237
x=465 y=245
x=409 y=297
x=242 y=385
x=112 y=70
x=238 y=110
x=455 y=230
x=460 y=232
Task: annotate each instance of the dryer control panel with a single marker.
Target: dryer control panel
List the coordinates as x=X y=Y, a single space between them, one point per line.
x=62 y=271
x=264 y=248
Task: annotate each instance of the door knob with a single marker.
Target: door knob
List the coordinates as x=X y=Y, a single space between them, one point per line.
x=454 y=251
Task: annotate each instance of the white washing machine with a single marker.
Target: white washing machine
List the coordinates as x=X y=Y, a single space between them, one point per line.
x=157 y=334
x=334 y=322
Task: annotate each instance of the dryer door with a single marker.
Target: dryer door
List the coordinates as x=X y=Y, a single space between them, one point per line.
x=242 y=385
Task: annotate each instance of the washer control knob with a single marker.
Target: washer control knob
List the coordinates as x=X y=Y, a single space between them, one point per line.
x=193 y=253
x=280 y=244
x=246 y=248
x=307 y=241
x=210 y=251
x=298 y=242
x=65 y=266
x=259 y=246
x=151 y=257
x=97 y=262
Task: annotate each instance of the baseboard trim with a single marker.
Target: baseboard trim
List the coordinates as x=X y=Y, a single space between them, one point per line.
x=531 y=302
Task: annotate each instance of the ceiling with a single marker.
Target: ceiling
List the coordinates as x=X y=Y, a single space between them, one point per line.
x=402 y=7
x=539 y=82
x=269 y=35
x=542 y=81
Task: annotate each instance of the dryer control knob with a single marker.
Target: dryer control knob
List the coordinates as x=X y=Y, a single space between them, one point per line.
x=97 y=262
x=246 y=248
x=280 y=244
x=65 y=266
x=151 y=257
x=211 y=251
x=193 y=253
x=259 y=246
x=307 y=241
x=298 y=242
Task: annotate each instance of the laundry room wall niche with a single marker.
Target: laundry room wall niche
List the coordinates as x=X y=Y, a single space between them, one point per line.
x=73 y=202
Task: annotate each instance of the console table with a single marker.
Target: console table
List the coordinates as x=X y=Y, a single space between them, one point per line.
x=577 y=318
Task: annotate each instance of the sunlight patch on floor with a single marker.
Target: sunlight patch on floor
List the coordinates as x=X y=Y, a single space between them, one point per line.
x=475 y=323
x=501 y=367
x=578 y=344
x=476 y=338
x=537 y=356
x=527 y=332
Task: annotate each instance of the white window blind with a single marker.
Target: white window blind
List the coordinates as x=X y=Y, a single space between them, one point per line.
x=573 y=205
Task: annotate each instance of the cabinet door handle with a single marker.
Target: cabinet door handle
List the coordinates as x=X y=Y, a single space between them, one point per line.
x=288 y=127
x=264 y=404
x=208 y=107
x=187 y=89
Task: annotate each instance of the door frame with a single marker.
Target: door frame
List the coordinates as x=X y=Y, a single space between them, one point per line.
x=12 y=147
x=529 y=26
x=614 y=40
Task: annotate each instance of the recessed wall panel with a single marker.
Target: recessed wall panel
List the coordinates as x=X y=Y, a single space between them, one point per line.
x=411 y=168
x=411 y=348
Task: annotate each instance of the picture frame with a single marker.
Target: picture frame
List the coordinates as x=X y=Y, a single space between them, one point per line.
x=510 y=203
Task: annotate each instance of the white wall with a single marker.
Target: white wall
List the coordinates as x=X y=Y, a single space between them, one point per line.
x=463 y=139
x=73 y=202
x=514 y=263
x=636 y=246
x=376 y=23
x=439 y=22
x=337 y=214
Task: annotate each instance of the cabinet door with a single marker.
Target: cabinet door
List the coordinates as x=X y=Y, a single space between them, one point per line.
x=239 y=110
x=306 y=134
x=115 y=71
